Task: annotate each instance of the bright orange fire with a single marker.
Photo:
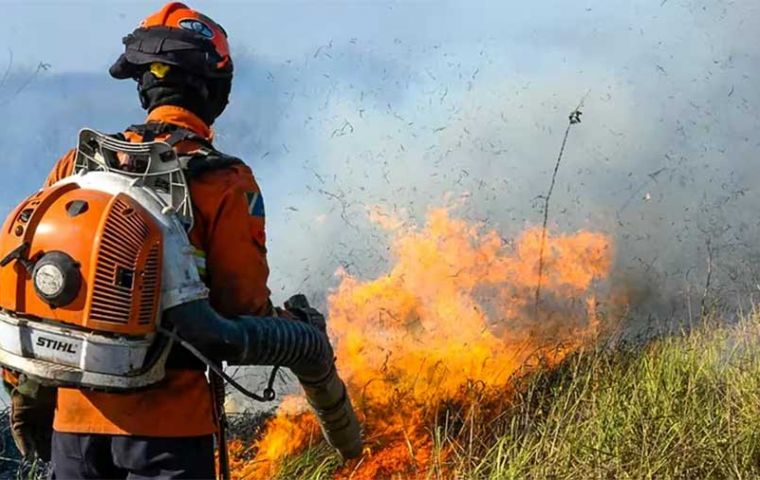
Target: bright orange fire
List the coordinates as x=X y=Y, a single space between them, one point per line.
x=456 y=307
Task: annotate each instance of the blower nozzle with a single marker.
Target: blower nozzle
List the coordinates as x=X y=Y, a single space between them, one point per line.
x=299 y=344
x=340 y=427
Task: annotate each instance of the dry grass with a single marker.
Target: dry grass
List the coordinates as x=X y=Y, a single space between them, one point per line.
x=682 y=406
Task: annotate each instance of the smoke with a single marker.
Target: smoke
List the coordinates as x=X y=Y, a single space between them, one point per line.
x=665 y=159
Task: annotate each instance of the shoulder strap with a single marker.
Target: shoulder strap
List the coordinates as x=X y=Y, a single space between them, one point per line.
x=149 y=132
x=195 y=163
x=205 y=160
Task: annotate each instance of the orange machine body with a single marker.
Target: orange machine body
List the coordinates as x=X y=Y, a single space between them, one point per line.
x=116 y=245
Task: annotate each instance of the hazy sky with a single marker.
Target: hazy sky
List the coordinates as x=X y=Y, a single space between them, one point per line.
x=83 y=35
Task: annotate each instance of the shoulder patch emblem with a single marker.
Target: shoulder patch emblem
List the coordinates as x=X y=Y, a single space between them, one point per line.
x=255 y=204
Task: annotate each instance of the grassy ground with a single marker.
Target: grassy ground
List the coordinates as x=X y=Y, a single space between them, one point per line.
x=683 y=406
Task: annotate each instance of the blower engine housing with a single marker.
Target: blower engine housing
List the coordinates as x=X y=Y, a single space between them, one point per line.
x=90 y=264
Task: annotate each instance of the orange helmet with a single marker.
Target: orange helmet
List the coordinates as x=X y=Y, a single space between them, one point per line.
x=179 y=36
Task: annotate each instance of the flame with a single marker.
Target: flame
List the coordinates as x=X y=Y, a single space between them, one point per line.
x=455 y=314
x=289 y=431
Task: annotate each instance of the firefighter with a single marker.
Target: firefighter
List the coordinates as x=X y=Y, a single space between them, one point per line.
x=181 y=63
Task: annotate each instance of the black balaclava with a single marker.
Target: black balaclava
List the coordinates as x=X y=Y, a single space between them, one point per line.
x=205 y=97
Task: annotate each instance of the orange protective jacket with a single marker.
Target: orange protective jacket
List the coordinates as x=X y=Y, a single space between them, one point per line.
x=231 y=235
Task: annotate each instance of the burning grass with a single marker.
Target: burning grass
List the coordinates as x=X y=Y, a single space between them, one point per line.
x=441 y=336
x=683 y=406
x=456 y=373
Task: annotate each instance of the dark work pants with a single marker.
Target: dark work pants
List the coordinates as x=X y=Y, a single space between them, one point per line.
x=85 y=456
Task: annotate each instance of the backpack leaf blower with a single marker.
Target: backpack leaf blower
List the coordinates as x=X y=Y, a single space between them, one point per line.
x=98 y=283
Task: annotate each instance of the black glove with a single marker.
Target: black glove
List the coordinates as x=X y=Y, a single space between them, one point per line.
x=31 y=418
x=298 y=306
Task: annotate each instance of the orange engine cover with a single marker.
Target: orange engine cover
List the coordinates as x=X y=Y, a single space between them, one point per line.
x=115 y=243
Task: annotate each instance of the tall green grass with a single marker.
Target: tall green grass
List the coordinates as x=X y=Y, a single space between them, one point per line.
x=681 y=406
